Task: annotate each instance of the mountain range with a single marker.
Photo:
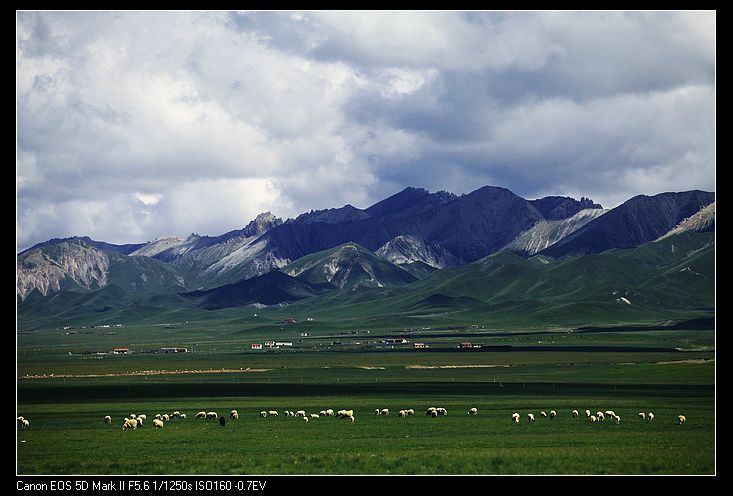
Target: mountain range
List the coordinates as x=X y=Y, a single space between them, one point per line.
x=412 y=240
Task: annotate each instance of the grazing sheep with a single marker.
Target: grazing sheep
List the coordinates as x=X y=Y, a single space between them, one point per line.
x=300 y=413
x=473 y=411
x=609 y=413
x=20 y=420
x=601 y=416
x=329 y=412
x=642 y=415
x=107 y=419
x=272 y=413
x=233 y=413
x=263 y=414
x=158 y=424
x=617 y=419
x=442 y=411
x=142 y=416
x=553 y=414
x=305 y=419
x=384 y=411
x=165 y=417
x=129 y=423
x=315 y=415
x=198 y=415
x=176 y=413
x=543 y=414
x=139 y=422
x=587 y=413
x=575 y=413
x=515 y=417
x=530 y=416
x=430 y=411
x=25 y=424
x=132 y=415
x=322 y=413
x=434 y=413
x=681 y=419
x=211 y=415
x=376 y=412
x=183 y=416
x=235 y=416
x=593 y=418
x=158 y=416
x=410 y=412
x=222 y=421
x=351 y=418
x=650 y=417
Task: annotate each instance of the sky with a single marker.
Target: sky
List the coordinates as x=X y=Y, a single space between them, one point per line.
x=138 y=125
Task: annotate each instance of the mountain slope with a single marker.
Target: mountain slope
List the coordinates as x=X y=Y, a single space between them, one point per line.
x=348 y=266
x=548 y=232
x=639 y=220
x=74 y=265
x=702 y=221
x=406 y=249
x=269 y=289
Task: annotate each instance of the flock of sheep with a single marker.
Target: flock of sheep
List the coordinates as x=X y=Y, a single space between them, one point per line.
x=137 y=420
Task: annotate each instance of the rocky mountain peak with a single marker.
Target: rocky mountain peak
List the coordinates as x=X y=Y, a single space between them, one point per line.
x=261 y=224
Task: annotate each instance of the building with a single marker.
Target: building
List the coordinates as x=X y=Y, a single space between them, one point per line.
x=256 y=346
x=286 y=343
x=419 y=345
x=269 y=344
x=173 y=350
x=121 y=351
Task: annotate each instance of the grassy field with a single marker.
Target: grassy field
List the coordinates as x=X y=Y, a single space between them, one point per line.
x=668 y=372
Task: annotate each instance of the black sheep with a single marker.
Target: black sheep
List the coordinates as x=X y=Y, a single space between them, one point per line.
x=222 y=421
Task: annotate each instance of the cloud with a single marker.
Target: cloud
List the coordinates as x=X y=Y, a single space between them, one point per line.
x=134 y=125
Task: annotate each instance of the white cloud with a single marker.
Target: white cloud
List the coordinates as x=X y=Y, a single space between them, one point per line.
x=133 y=125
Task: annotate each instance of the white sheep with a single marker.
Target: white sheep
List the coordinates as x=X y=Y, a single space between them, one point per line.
x=315 y=415
x=25 y=424
x=681 y=419
x=376 y=412
x=329 y=412
x=234 y=416
x=650 y=416
x=272 y=413
x=441 y=411
x=183 y=416
x=610 y=413
x=165 y=417
x=587 y=413
x=300 y=413
x=132 y=415
x=351 y=418
x=601 y=416
x=129 y=423
x=617 y=419
x=553 y=414
x=434 y=413
x=198 y=415
x=209 y=415
x=142 y=416
x=305 y=419
x=384 y=411
x=176 y=413
x=410 y=412
x=158 y=424
x=575 y=413
x=543 y=414
x=593 y=418
x=263 y=414
x=515 y=417
x=20 y=419
x=642 y=415
x=233 y=413
x=473 y=411
x=430 y=411
x=158 y=416
x=530 y=416
x=139 y=422
x=107 y=419
x=322 y=413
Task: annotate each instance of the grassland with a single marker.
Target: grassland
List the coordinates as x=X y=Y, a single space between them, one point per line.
x=668 y=372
